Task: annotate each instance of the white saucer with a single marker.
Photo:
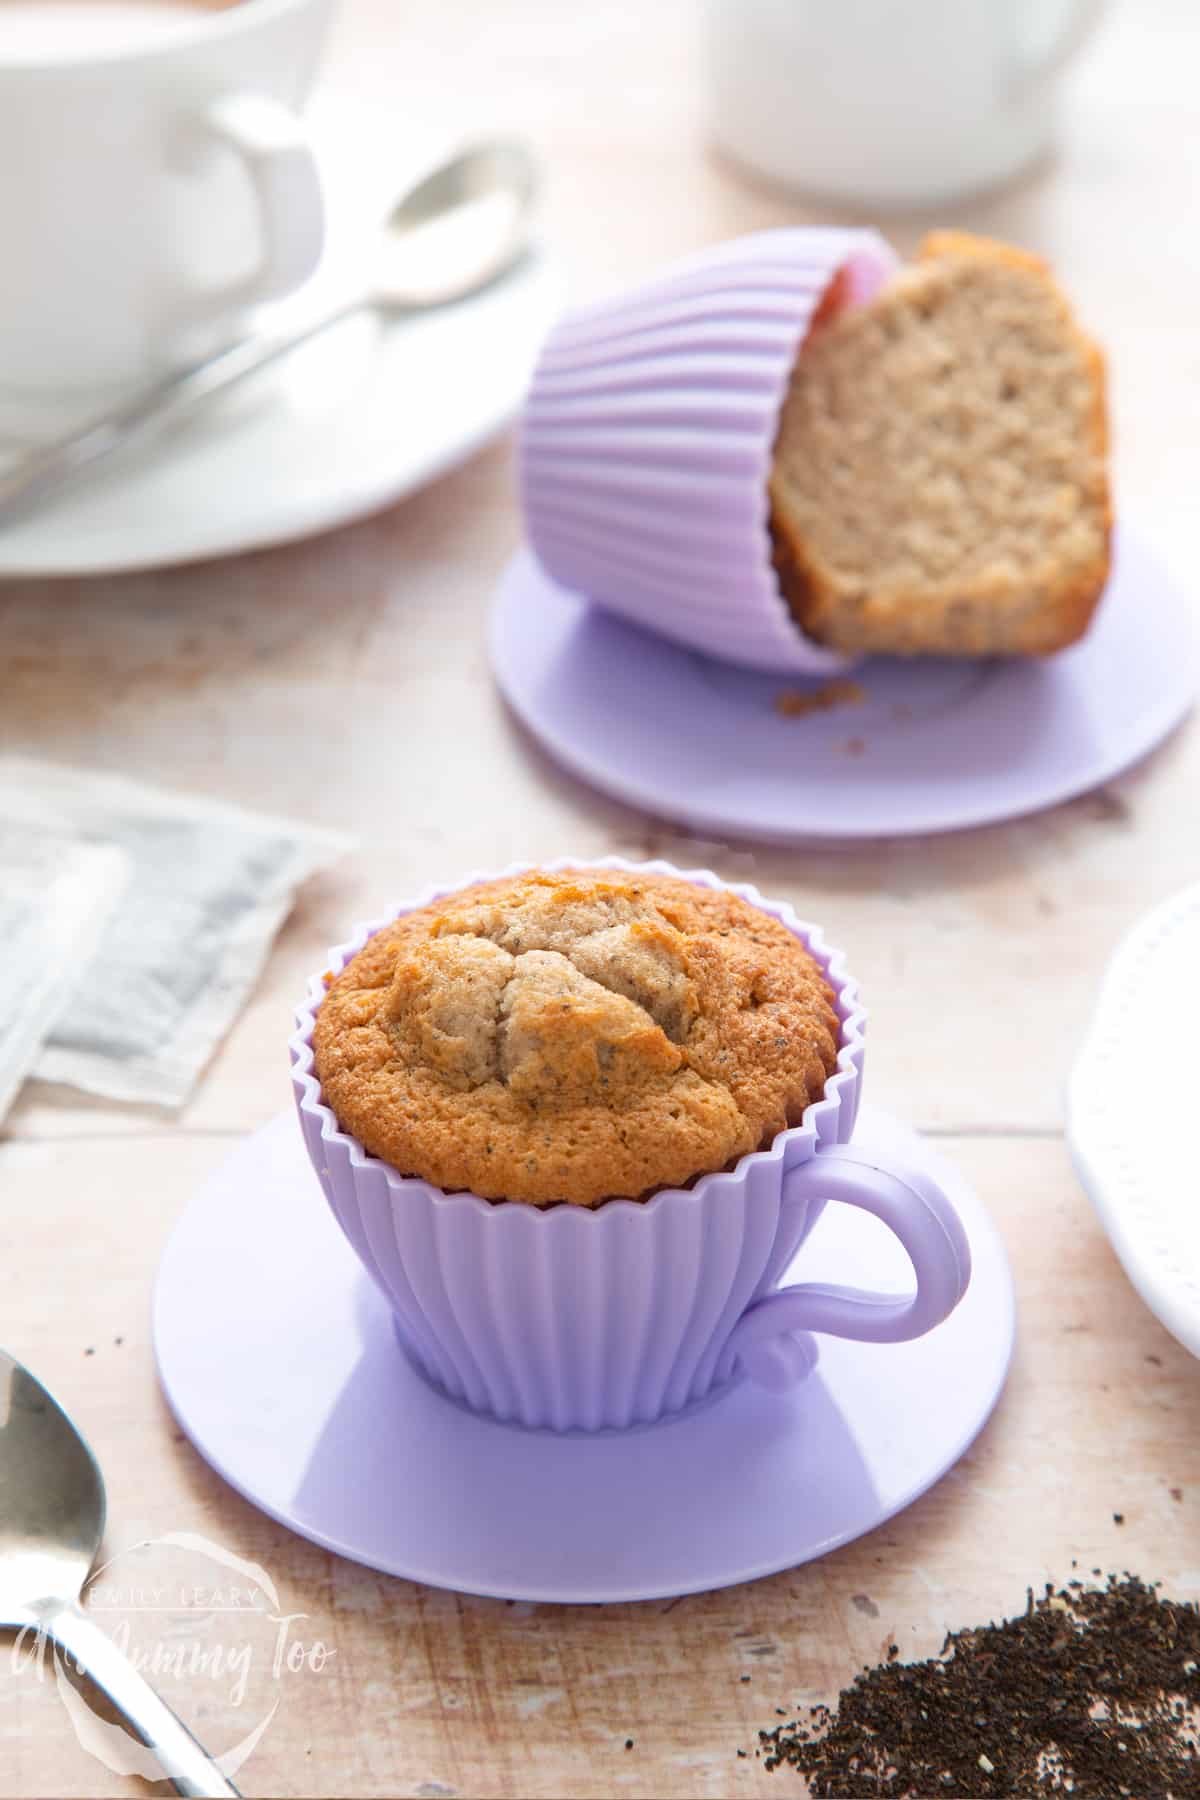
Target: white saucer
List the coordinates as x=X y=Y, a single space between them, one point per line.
x=1130 y=1106
x=351 y=422
x=279 y=1360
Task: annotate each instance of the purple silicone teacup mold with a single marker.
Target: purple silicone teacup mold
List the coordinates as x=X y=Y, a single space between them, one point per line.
x=571 y=1318
x=646 y=441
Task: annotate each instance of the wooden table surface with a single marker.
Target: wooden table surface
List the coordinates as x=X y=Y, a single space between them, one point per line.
x=344 y=681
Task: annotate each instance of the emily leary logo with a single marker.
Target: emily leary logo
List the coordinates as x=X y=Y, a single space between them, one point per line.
x=186 y=1612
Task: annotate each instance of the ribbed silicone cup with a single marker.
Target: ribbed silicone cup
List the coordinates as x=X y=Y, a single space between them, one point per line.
x=568 y=1317
x=646 y=441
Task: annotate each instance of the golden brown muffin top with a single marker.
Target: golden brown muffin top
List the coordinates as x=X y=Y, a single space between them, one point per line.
x=575 y=1037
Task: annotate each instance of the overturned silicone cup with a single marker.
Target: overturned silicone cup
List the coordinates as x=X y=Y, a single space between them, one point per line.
x=575 y=1319
x=646 y=441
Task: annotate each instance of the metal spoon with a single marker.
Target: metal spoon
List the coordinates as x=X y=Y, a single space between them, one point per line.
x=51 y=1523
x=456 y=232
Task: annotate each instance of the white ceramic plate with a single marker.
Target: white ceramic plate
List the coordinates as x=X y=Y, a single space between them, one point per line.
x=349 y=423
x=1131 y=1105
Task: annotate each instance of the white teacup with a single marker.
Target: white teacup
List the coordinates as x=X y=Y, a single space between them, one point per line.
x=889 y=103
x=155 y=182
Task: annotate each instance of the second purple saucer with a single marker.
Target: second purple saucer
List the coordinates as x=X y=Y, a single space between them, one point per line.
x=894 y=748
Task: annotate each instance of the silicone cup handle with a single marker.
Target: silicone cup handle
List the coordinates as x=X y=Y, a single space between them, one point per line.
x=271 y=144
x=764 y=1340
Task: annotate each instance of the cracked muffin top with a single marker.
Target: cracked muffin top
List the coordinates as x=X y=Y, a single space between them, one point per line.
x=575 y=1037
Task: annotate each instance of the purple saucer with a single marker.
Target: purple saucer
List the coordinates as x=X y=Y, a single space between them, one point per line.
x=934 y=746
x=279 y=1360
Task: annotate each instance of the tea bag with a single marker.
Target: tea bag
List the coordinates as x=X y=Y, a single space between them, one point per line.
x=56 y=898
x=209 y=886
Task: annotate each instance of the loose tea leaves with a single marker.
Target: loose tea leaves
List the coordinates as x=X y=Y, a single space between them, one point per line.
x=1091 y=1691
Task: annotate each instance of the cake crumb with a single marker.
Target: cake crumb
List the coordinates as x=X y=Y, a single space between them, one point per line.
x=799 y=703
x=854 y=746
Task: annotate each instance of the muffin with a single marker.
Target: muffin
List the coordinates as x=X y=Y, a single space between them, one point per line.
x=575 y=1036
x=939 y=480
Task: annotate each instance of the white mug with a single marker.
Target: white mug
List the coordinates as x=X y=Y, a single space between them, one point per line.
x=888 y=103
x=155 y=182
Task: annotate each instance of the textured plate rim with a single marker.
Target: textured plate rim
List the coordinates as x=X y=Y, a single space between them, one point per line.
x=1102 y=1134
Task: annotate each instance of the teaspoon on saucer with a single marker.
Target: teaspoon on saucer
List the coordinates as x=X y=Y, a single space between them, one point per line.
x=456 y=232
x=51 y=1524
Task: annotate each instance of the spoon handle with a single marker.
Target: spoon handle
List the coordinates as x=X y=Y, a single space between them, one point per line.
x=189 y=1769
x=40 y=474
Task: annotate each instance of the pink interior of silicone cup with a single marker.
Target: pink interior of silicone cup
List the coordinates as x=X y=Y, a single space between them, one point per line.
x=864 y=276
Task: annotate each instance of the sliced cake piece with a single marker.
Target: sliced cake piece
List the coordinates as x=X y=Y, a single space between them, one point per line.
x=939 y=482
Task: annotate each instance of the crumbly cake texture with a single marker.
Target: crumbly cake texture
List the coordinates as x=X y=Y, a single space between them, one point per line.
x=575 y=1037
x=939 y=481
